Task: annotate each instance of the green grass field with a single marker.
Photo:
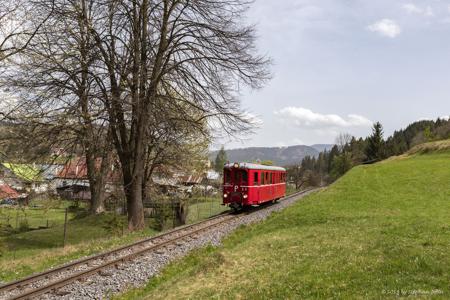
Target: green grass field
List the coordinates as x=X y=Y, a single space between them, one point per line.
x=38 y=214
x=381 y=231
x=24 y=253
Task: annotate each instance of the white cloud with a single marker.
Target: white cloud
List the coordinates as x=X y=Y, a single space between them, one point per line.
x=256 y=120
x=386 y=27
x=414 y=9
x=429 y=12
x=303 y=117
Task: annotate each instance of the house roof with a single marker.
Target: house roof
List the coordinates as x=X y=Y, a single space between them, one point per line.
x=195 y=179
x=212 y=175
x=50 y=171
x=7 y=192
x=75 y=169
x=25 y=171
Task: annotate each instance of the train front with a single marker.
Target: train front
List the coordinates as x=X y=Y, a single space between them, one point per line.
x=235 y=186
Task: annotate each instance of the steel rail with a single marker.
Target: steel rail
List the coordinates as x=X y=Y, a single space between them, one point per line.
x=54 y=285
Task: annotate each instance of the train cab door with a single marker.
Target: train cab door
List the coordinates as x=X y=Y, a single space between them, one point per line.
x=240 y=179
x=259 y=183
x=271 y=184
x=256 y=193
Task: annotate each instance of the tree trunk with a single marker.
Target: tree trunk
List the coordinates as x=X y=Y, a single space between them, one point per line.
x=135 y=207
x=97 y=198
x=97 y=178
x=181 y=212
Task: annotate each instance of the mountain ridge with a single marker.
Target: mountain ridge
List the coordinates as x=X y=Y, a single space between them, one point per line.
x=282 y=156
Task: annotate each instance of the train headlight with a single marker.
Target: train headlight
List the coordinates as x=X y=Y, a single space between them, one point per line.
x=225 y=195
x=245 y=196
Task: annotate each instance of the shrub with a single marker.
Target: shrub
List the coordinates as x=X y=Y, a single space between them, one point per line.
x=114 y=224
x=23 y=225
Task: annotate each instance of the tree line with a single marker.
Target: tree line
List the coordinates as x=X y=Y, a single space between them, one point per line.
x=135 y=83
x=349 y=151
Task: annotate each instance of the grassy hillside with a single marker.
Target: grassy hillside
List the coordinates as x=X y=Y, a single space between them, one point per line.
x=379 y=232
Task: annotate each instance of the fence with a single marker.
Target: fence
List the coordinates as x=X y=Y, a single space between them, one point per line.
x=165 y=213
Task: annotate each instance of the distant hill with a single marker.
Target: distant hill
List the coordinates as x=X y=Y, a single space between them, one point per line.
x=282 y=156
x=322 y=147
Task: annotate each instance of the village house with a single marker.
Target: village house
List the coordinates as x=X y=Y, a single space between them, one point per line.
x=7 y=192
x=72 y=181
x=24 y=178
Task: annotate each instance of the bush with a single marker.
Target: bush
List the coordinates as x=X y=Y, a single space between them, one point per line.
x=114 y=225
x=2 y=248
x=23 y=225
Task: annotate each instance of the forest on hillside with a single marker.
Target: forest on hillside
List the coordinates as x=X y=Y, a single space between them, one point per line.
x=350 y=151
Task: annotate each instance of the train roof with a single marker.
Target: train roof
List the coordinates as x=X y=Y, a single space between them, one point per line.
x=251 y=166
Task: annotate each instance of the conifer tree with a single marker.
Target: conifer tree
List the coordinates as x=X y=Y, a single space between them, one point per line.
x=221 y=159
x=375 y=143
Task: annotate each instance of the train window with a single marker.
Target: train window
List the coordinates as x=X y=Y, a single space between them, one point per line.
x=244 y=176
x=255 y=178
x=240 y=177
x=267 y=178
x=227 y=174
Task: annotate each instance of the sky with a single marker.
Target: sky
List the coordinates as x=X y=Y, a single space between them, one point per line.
x=340 y=65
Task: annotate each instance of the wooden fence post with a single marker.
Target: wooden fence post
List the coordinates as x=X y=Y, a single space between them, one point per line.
x=65 y=228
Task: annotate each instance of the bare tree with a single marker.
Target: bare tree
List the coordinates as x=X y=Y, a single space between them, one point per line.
x=56 y=84
x=139 y=75
x=190 y=52
x=343 y=140
x=17 y=28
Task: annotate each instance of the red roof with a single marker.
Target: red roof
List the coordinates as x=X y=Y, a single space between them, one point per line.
x=7 y=192
x=75 y=169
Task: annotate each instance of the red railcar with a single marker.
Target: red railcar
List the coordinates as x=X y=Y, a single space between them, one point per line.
x=246 y=184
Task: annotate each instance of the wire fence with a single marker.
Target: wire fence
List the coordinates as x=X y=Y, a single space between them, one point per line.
x=169 y=212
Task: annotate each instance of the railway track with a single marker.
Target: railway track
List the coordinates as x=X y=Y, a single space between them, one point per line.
x=54 y=279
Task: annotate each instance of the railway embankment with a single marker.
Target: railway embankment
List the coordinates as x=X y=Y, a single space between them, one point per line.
x=381 y=231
